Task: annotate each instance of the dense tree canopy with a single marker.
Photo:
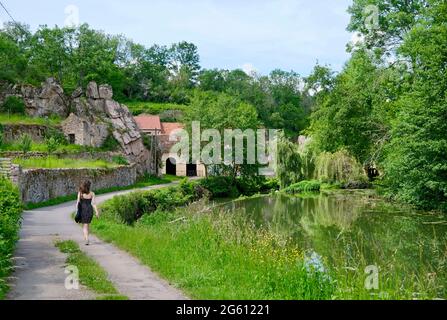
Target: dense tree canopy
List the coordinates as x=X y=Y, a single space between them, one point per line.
x=391 y=113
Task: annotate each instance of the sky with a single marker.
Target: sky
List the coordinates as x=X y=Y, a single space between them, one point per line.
x=254 y=35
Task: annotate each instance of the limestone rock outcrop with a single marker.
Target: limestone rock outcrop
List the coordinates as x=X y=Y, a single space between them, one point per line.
x=49 y=100
x=91 y=116
x=95 y=112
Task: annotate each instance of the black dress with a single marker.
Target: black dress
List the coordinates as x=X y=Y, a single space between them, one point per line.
x=86 y=210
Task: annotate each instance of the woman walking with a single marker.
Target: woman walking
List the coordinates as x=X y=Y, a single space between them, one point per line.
x=86 y=205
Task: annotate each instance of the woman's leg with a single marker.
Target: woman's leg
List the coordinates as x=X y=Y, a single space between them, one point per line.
x=86 y=232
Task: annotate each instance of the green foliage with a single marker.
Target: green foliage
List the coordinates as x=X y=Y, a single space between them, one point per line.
x=304 y=186
x=277 y=98
x=131 y=207
x=52 y=145
x=10 y=215
x=140 y=107
x=91 y=274
x=52 y=162
x=222 y=112
x=416 y=158
x=120 y=160
x=24 y=120
x=289 y=163
x=13 y=105
x=187 y=248
x=339 y=167
x=110 y=144
x=220 y=187
x=56 y=135
x=25 y=143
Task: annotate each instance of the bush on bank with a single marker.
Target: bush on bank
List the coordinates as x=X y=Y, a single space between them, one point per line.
x=10 y=215
x=131 y=207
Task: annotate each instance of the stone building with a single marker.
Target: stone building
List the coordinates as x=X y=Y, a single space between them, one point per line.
x=171 y=162
x=82 y=132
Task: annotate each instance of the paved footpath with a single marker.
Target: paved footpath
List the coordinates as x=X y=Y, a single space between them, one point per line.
x=40 y=266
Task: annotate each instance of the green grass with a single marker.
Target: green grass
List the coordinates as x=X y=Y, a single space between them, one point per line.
x=42 y=147
x=304 y=186
x=142 y=183
x=25 y=120
x=211 y=257
x=56 y=163
x=91 y=274
x=138 y=107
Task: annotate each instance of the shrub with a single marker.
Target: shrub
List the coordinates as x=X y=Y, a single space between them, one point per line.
x=56 y=135
x=10 y=212
x=131 y=207
x=51 y=144
x=25 y=143
x=120 y=160
x=304 y=186
x=110 y=144
x=220 y=187
x=14 y=105
x=248 y=186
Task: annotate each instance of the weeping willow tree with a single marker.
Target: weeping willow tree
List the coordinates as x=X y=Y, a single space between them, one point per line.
x=339 y=167
x=289 y=163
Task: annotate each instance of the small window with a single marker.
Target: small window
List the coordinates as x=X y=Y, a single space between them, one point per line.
x=72 y=138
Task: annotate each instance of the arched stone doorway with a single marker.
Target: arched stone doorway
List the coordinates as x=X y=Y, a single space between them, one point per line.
x=171 y=167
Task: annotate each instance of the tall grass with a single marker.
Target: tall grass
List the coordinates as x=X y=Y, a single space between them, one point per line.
x=209 y=257
x=26 y=120
x=56 y=163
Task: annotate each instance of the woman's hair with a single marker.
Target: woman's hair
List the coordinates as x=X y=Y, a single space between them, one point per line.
x=85 y=187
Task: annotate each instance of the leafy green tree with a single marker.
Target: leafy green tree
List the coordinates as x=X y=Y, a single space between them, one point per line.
x=395 y=18
x=355 y=114
x=416 y=159
x=289 y=163
x=221 y=112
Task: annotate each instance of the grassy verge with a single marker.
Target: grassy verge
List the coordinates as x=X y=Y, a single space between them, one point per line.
x=143 y=183
x=211 y=257
x=222 y=255
x=57 y=163
x=91 y=274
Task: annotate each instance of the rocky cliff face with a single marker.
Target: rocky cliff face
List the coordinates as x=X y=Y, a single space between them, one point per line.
x=91 y=116
x=97 y=107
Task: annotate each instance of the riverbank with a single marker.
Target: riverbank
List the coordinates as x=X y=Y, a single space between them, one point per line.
x=321 y=247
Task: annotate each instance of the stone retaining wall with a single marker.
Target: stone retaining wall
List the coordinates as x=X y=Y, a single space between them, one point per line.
x=40 y=185
x=13 y=132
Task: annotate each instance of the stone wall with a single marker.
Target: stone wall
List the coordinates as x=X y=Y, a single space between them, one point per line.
x=41 y=185
x=13 y=132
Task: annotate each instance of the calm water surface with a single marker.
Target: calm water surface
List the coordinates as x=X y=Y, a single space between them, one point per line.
x=353 y=229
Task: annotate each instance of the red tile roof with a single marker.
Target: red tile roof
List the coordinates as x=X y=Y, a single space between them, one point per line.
x=169 y=127
x=148 y=122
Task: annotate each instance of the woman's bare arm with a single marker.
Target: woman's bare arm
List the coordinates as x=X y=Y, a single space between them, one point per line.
x=94 y=205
